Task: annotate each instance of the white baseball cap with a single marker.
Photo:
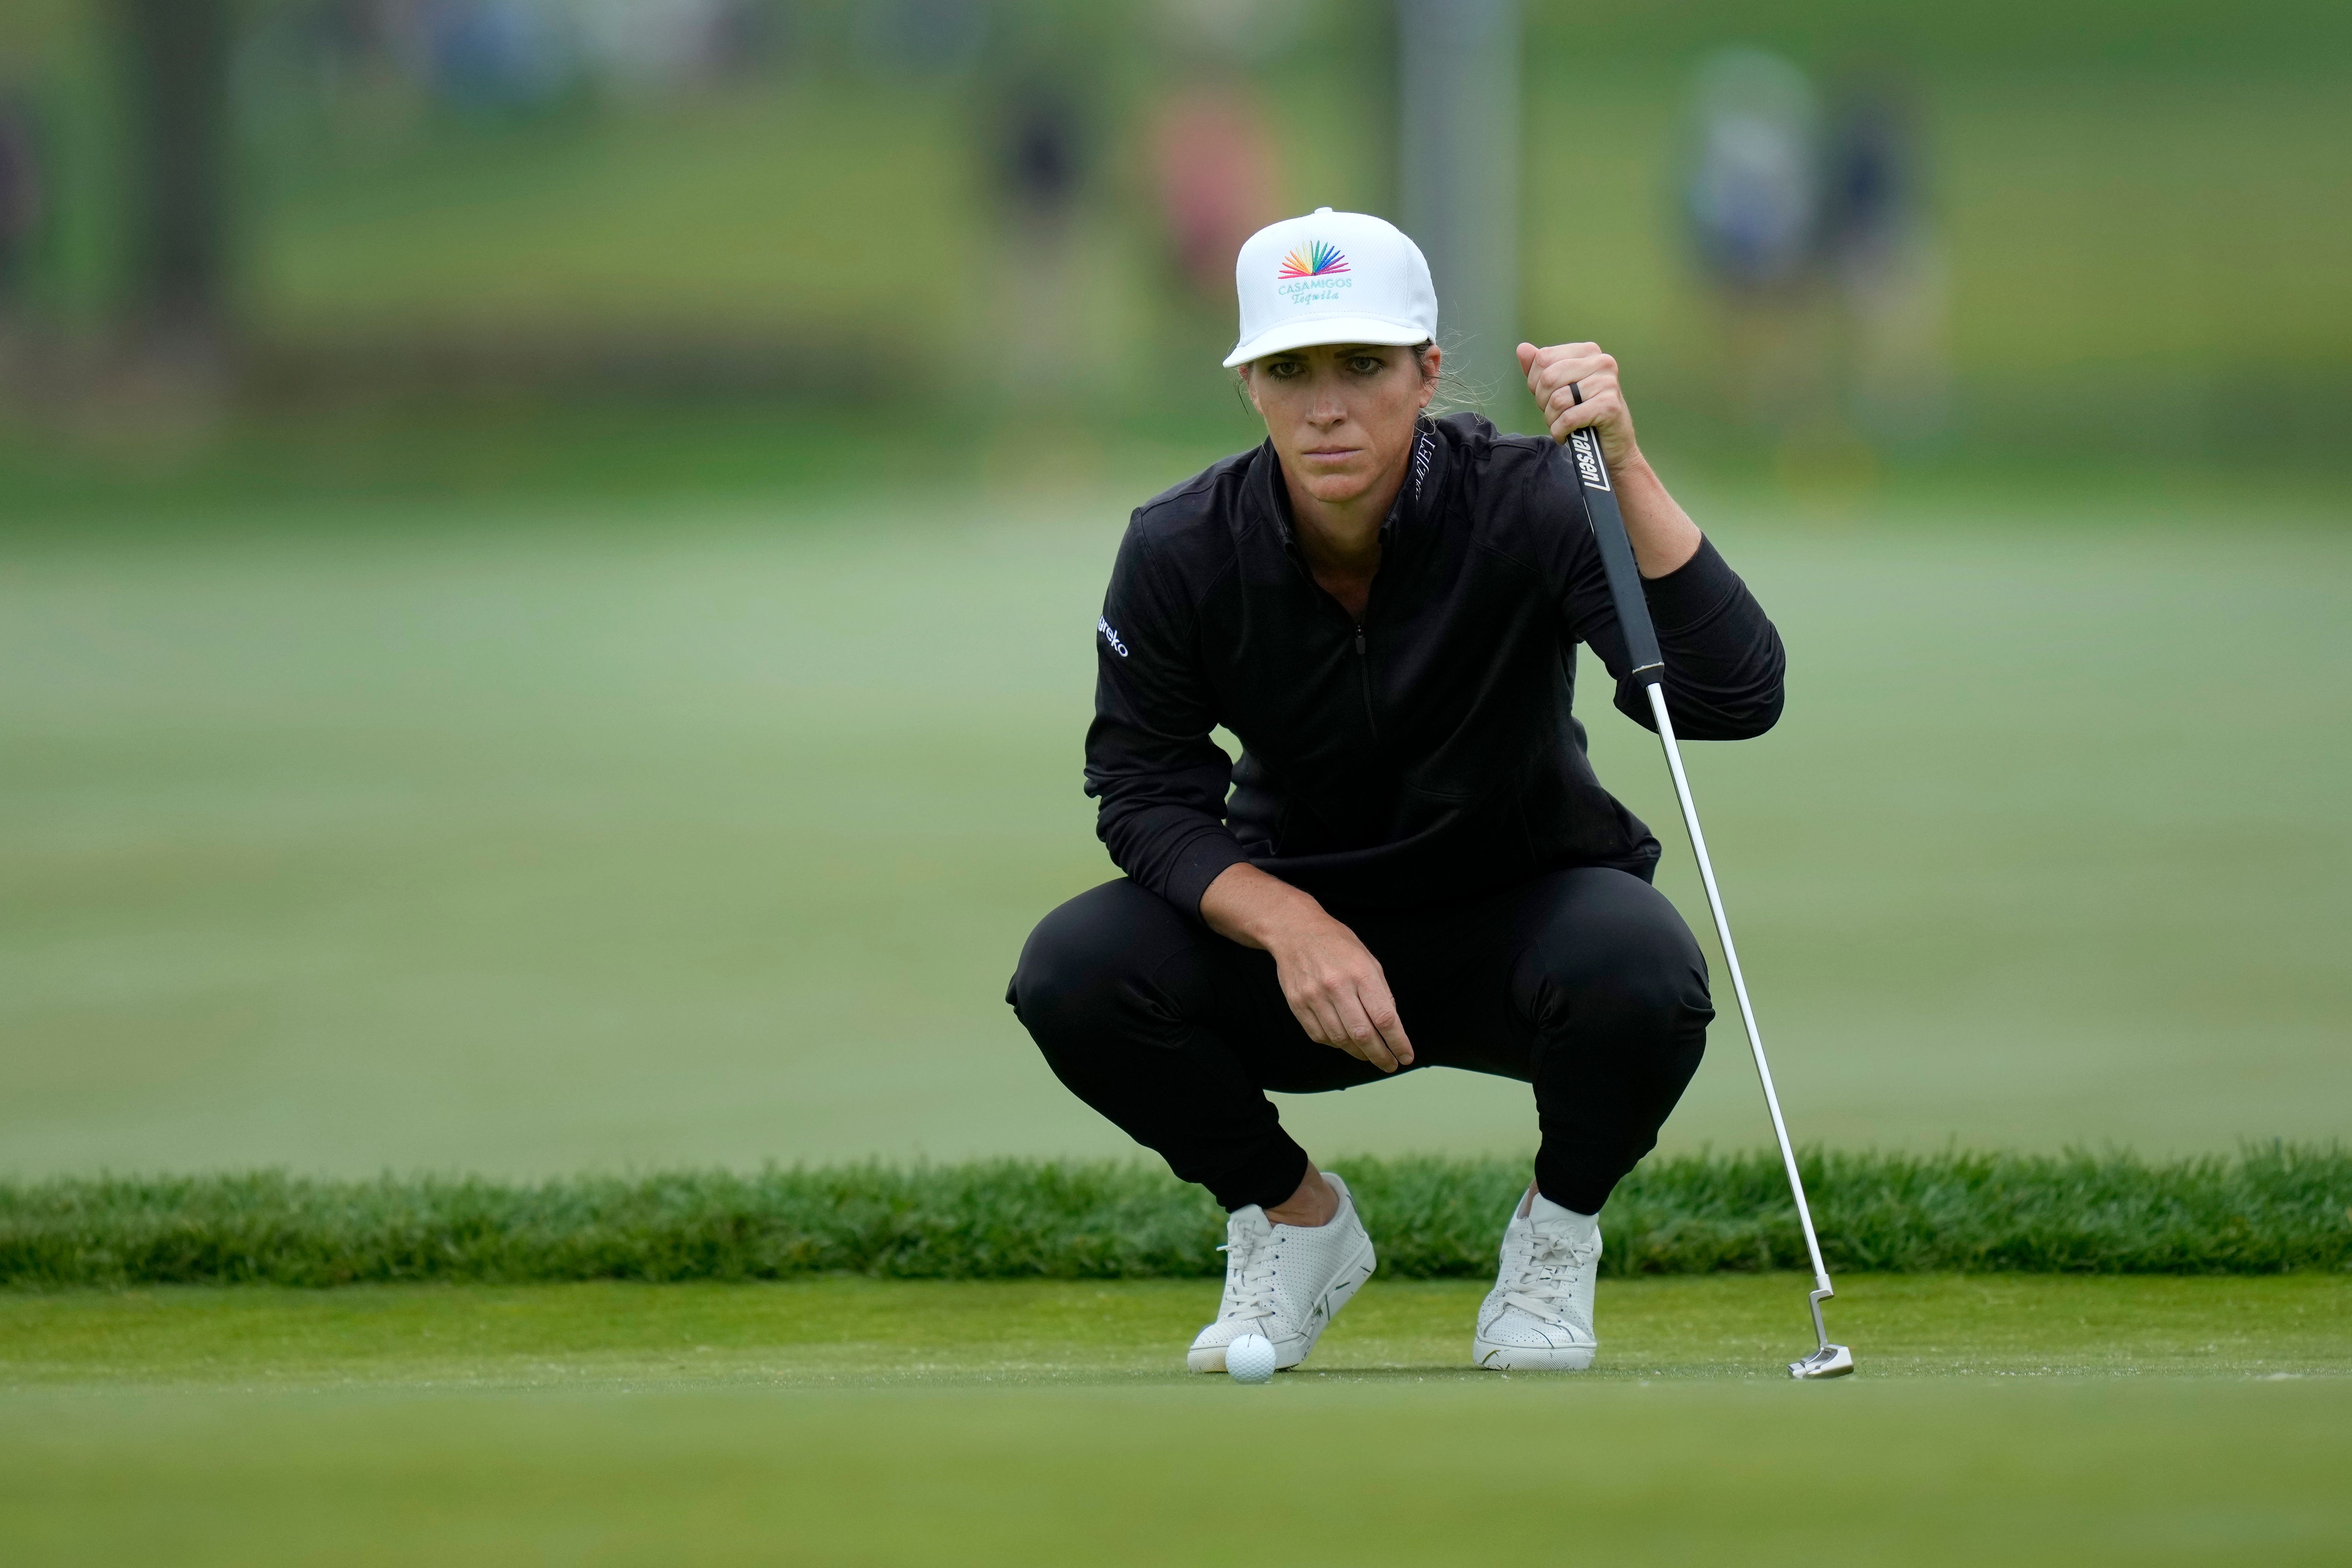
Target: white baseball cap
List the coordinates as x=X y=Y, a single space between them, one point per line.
x=1332 y=277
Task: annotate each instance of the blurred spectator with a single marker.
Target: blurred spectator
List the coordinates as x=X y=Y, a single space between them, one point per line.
x=1869 y=173
x=1814 y=228
x=1753 y=191
x=1215 y=164
x=1041 y=152
x=1214 y=159
x=1042 y=158
x=1882 y=254
x=1752 y=198
x=498 y=53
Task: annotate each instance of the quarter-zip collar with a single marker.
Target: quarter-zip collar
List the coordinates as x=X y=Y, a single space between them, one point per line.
x=1266 y=497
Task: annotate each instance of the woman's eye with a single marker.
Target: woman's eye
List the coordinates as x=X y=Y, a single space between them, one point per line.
x=1367 y=365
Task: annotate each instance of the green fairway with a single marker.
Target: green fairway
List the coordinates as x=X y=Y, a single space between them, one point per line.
x=600 y=843
x=2032 y=1420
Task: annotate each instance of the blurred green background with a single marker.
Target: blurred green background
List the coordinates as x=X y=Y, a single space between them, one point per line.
x=547 y=553
x=2135 y=219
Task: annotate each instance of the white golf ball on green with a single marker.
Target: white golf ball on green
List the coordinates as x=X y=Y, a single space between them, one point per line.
x=1250 y=1359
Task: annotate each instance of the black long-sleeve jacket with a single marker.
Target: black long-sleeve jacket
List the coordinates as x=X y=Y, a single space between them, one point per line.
x=1426 y=753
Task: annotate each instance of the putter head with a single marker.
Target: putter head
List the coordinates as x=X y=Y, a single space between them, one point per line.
x=1830 y=1361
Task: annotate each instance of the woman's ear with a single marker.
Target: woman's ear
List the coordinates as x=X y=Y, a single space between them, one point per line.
x=1429 y=360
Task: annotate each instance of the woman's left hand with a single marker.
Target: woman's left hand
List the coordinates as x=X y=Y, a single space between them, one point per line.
x=1558 y=375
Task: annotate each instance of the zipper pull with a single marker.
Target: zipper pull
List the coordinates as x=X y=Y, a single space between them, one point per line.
x=1359 y=642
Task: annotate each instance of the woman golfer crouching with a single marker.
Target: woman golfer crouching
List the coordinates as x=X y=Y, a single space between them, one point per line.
x=1415 y=865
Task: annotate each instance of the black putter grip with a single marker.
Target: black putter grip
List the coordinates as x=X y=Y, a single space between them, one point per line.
x=1583 y=450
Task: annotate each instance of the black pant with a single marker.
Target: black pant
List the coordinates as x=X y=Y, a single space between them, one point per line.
x=1584 y=982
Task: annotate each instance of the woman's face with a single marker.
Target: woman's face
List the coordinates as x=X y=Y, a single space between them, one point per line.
x=1341 y=414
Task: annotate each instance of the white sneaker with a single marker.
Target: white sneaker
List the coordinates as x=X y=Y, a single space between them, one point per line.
x=1285 y=1282
x=1539 y=1316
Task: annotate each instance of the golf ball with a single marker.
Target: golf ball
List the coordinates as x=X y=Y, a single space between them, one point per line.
x=1250 y=1359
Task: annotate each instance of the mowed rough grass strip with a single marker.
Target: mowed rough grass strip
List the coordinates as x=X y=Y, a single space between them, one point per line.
x=2270 y=1209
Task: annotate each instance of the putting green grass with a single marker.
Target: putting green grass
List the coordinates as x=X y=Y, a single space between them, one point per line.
x=598 y=842
x=862 y=1332
x=2018 y=1419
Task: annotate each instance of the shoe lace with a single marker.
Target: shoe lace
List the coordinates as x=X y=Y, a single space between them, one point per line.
x=1249 y=1278
x=1548 y=1279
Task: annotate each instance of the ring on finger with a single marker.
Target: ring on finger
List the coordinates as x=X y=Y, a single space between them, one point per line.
x=1576 y=391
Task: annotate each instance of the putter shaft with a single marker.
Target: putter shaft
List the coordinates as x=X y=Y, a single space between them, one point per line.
x=1648 y=666
x=1829 y=1360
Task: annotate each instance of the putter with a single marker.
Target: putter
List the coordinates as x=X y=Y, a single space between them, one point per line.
x=1649 y=668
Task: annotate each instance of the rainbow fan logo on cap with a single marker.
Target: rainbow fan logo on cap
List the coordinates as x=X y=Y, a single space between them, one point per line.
x=1318 y=259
